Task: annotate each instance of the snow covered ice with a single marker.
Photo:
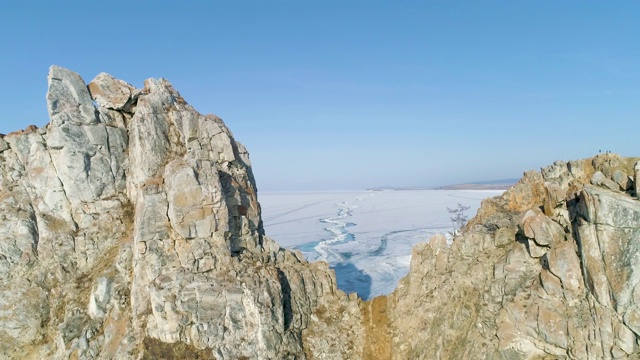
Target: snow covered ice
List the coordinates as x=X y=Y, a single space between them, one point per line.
x=365 y=236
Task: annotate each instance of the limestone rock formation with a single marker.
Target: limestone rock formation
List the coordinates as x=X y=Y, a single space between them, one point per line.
x=130 y=228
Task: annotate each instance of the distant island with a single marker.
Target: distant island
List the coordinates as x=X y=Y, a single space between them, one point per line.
x=482 y=185
x=475 y=185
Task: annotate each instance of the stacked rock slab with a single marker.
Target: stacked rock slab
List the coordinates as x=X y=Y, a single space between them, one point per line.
x=130 y=228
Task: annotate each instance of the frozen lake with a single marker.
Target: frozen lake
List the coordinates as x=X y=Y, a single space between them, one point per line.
x=365 y=236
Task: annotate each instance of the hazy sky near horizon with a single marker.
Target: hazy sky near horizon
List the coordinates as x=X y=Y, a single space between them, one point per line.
x=353 y=94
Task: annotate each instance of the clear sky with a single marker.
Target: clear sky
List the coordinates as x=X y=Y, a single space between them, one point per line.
x=352 y=94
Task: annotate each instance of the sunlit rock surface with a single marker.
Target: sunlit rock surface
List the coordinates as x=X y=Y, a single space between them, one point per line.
x=130 y=228
x=548 y=270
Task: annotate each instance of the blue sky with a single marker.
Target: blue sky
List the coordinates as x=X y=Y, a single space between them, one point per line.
x=353 y=94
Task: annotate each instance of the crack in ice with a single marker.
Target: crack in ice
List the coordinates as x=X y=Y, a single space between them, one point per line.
x=338 y=230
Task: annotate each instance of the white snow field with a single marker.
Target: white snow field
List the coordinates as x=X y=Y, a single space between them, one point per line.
x=365 y=236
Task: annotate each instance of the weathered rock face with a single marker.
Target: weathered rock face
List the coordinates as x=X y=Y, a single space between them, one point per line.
x=550 y=269
x=130 y=228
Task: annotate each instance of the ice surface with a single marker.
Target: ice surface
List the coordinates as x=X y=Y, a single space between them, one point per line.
x=365 y=236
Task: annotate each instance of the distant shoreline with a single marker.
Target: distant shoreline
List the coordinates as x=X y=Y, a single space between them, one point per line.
x=446 y=188
x=480 y=185
x=476 y=187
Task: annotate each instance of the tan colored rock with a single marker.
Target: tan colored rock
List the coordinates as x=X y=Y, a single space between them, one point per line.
x=555 y=197
x=535 y=300
x=536 y=250
x=541 y=229
x=504 y=236
x=581 y=170
x=552 y=327
x=440 y=249
x=527 y=193
x=110 y=92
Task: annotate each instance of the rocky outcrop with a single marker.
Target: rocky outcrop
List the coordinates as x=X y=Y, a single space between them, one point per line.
x=547 y=270
x=130 y=228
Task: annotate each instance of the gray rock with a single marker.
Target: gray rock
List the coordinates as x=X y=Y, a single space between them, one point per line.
x=600 y=180
x=68 y=99
x=622 y=179
x=132 y=227
x=612 y=223
x=564 y=263
x=99 y=298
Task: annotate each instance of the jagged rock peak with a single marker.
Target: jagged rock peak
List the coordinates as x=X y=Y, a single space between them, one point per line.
x=68 y=99
x=130 y=228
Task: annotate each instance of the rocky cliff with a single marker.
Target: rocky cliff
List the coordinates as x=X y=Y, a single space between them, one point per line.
x=130 y=229
x=549 y=270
